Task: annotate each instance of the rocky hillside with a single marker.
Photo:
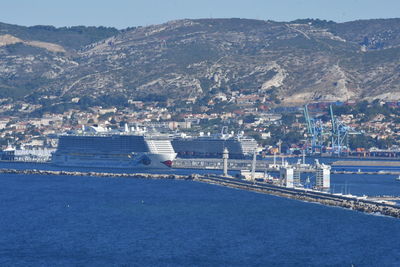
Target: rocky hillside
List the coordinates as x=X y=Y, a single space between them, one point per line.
x=293 y=62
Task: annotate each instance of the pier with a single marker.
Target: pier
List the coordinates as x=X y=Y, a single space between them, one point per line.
x=217 y=164
x=235 y=164
x=268 y=166
x=362 y=204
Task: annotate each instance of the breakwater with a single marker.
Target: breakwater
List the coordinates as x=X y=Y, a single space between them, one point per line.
x=366 y=163
x=349 y=202
x=97 y=174
x=367 y=172
x=353 y=203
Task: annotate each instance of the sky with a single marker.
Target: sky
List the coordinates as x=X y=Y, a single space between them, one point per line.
x=129 y=13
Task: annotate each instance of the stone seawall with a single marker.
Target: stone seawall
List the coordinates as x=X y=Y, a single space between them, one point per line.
x=368 y=163
x=97 y=174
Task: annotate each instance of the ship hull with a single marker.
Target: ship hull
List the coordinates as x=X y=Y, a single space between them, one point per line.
x=138 y=161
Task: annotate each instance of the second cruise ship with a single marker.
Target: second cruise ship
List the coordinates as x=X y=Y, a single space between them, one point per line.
x=212 y=146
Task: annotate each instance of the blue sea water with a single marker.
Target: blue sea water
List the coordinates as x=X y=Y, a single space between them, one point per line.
x=86 y=221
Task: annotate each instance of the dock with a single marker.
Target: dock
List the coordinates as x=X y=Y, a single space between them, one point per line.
x=217 y=164
x=233 y=164
x=268 y=166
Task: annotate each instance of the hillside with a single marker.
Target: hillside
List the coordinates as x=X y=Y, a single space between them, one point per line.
x=32 y=57
x=71 y=38
x=293 y=62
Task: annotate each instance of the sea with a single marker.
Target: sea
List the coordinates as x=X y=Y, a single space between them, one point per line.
x=90 y=221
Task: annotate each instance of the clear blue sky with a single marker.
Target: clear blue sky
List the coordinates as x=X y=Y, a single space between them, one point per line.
x=125 y=13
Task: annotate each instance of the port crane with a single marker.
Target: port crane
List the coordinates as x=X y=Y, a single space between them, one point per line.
x=315 y=133
x=339 y=135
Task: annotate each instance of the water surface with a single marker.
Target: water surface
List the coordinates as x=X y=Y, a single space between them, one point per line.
x=62 y=220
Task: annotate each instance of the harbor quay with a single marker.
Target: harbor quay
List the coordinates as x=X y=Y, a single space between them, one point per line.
x=270 y=166
x=361 y=204
x=232 y=164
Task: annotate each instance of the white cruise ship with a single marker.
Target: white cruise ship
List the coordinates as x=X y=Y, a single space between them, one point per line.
x=91 y=148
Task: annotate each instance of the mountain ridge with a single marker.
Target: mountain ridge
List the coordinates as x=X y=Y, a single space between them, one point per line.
x=291 y=62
